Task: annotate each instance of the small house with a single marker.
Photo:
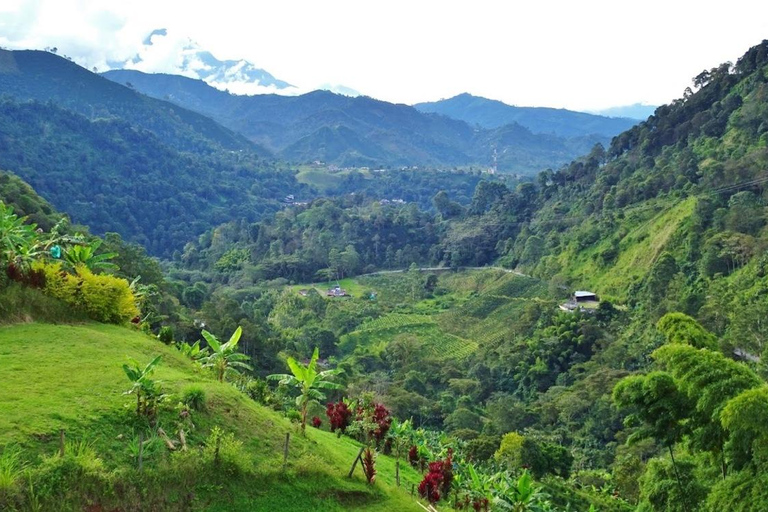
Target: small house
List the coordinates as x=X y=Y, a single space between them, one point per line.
x=337 y=291
x=583 y=296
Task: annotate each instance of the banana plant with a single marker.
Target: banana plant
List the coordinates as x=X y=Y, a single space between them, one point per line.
x=19 y=241
x=148 y=392
x=85 y=254
x=193 y=352
x=224 y=359
x=308 y=381
x=522 y=495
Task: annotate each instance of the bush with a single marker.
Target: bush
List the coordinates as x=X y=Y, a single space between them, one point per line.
x=193 y=397
x=226 y=454
x=166 y=335
x=102 y=297
x=70 y=481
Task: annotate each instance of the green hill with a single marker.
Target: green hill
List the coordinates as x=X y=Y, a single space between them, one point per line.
x=43 y=76
x=69 y=377
x=111 y=176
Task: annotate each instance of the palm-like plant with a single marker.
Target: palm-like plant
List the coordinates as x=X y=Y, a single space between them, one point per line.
x=224 y=359
x=147 y=391
x=85 y=254
x=19 y=242
x=519 y=496
x=308 y=381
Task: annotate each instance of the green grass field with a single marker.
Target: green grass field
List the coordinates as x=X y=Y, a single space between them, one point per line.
x=70 y=377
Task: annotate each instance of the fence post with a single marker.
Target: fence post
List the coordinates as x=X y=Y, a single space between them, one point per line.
x=354 y=464
x=141 y=451
x=285 y=451
x=61 y=442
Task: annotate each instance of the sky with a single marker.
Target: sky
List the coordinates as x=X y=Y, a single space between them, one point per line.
x=581 y=55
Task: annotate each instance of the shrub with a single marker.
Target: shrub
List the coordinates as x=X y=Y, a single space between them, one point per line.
x=226 y=454
x=103 y=297
x=194 y=397
x=293 y=415
x=317 y=422
x=166 y=335
x=76 y=478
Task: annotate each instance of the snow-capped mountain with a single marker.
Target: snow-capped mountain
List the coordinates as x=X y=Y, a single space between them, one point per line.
x=162 y=53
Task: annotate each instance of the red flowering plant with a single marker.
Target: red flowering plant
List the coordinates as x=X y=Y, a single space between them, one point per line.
x=317 y=422
x=369 y=465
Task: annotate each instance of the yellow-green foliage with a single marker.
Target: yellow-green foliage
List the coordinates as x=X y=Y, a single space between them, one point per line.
x=104 y=298
x=680 y=328
x=511 y=450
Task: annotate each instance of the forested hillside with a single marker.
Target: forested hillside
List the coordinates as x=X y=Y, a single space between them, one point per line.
x=113 y=177
x=44 y=76
x=362 y=131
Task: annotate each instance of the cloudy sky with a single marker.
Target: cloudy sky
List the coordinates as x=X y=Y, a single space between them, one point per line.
x=582 y=55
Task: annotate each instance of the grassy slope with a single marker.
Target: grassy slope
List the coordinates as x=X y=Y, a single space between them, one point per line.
x=649 y=234
x=70 y=377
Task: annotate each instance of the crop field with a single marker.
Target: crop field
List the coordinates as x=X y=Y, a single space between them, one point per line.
x=424 y=328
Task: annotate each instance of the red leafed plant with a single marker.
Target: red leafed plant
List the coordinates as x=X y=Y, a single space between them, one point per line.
x=429 y=488
x=316 y=422
x=413 y=456
x=339 y=416
x=369 y=465
x=438 y=479
x=383 y=421
x=447 y=471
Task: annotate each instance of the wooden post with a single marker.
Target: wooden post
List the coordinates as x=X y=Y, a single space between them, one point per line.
x=354 y=464
x=141 y=451
x=413 y=489
x=397 y=472
x=285 y=451
x=61 y=442
x=216 y=453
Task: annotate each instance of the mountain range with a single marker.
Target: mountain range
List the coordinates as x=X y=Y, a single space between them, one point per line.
x=539 y=120
x=362 y=131
x=42 y=76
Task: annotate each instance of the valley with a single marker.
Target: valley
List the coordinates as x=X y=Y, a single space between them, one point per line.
x=220 y=302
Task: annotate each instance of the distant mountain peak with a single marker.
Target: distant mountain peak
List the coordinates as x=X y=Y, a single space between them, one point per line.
x=161 y=52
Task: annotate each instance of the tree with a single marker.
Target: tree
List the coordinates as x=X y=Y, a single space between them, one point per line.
x=308 y=381
x=681 y=328
x=660 y=409
x=709 y=380
x=224 y=358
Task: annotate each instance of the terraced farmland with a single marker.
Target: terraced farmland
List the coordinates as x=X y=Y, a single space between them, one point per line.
x=424 y=328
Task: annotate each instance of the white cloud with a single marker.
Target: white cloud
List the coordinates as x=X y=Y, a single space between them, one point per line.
x=581 y=55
